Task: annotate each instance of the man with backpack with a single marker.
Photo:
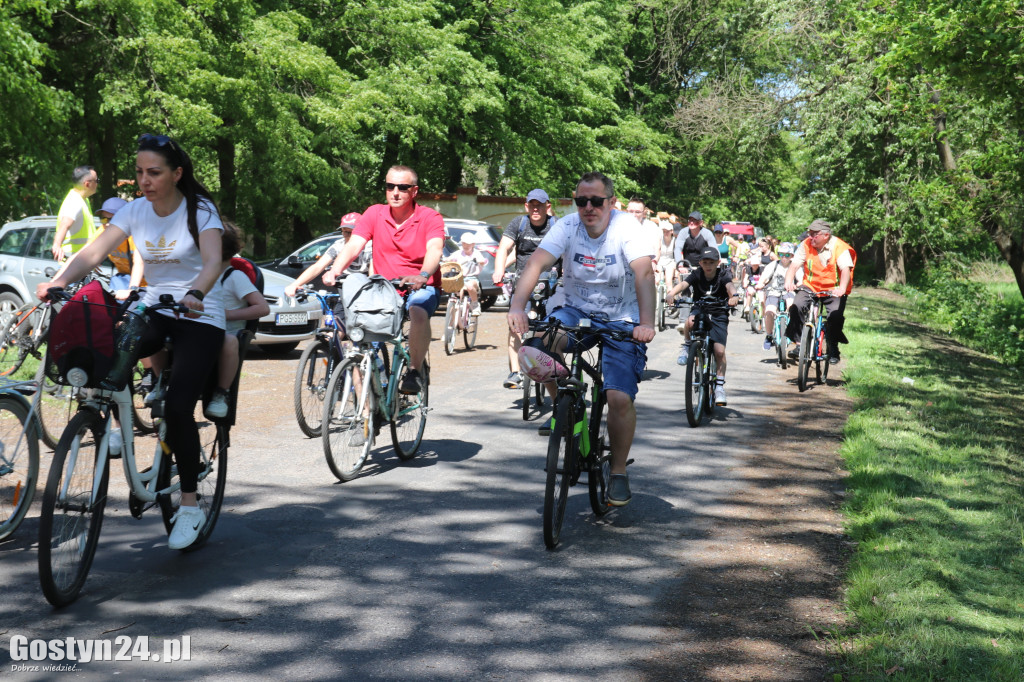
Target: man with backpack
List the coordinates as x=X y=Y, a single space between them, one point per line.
x=523 y=234
x=408 y=241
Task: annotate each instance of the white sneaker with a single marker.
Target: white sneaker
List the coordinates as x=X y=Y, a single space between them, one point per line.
x=684 y=355
x=476 y=311
x=218 y=407
x=187 y=523
x=681 y=328
x=720 y=396
x=115 y=443
x=156 y=395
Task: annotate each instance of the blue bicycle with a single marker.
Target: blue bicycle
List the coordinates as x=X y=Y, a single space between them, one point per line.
x=317 y=364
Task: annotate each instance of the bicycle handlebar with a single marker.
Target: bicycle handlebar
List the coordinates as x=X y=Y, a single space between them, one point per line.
x=554 y=325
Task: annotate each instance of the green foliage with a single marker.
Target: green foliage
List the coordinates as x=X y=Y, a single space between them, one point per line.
x=956 y=302
x=934 y=504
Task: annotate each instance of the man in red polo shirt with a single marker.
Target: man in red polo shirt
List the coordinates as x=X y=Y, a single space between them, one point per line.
x=407 y=243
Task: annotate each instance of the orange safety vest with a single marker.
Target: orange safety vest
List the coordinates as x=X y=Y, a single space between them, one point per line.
x=824 y=277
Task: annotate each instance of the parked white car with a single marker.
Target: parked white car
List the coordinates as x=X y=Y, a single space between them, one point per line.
x=25 y=261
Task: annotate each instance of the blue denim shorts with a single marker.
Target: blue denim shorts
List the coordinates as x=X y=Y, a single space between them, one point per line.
x=623 y=361
x=425 y=297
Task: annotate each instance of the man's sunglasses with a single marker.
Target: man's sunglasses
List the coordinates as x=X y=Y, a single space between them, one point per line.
x=596 y=202
x=391 y=186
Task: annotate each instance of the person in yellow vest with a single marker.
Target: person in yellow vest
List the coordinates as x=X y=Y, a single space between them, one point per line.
x=75 y=226
x=827 y=264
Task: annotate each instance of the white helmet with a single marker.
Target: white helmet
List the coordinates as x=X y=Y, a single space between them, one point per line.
x=538 y=365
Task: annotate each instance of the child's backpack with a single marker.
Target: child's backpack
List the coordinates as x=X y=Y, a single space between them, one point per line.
x=373 y=309
x=255 y=275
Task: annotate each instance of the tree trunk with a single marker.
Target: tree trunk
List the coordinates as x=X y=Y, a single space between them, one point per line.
x=892 y=248
x=228 y=177
x=895 y=268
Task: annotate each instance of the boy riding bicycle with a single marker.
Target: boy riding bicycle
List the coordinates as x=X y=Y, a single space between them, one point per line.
x=709 y=283
x=608 y=278
x=472 y=262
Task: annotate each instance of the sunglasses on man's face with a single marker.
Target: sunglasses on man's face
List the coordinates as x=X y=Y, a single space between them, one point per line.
x=391 y=186
x=596 y=202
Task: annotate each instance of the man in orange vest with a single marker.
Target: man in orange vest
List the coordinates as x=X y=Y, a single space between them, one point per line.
x=827 y=263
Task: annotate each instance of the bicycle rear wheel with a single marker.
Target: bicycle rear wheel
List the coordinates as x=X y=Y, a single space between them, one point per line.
x=561 y=452
x=780 y=340
x=472 y=322
x=599 y=464
x=213 y=474
x=527 y=393
x=19 y=463
x=756 y=318
x=311 y=379
x=659 y=308
x=710 y=380
x=695 y=387
x=348 y=435
x=72 y=512
x=806 y=349
x=409 y=413
x=141 y=414
x=820 y=356
x=451 y=313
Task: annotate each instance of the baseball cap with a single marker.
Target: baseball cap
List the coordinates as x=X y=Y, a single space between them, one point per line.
x=786 y=247
x=350 y=219
x=537 y=195
x=718 y=228
x=696 y=216
x=819 y=225
x=113 y=205
x=710 y=254
x=467 y=238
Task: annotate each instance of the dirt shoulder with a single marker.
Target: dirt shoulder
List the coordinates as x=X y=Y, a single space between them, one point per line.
x=764 y=588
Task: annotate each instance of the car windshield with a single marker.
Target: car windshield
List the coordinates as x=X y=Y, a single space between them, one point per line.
x=456 y=232
x=316 y=249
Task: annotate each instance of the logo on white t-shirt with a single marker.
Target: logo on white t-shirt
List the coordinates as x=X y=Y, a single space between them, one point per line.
x=590 y=261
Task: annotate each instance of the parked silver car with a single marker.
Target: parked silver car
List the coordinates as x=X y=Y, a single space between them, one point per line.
x=25 y=261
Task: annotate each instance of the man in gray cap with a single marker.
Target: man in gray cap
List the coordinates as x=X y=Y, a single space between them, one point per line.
x=692 y=242
x=523 y=233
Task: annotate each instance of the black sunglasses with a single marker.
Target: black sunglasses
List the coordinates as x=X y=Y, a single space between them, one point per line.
x=390 y=186
x=596 y=202
x=155 y=141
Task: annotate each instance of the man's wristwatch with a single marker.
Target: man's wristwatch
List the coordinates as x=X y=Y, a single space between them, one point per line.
x=424 y=274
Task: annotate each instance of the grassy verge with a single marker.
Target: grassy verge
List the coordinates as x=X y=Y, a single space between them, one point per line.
x=936 y=503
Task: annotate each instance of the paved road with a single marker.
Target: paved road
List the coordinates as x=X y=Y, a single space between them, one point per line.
x=431 y=569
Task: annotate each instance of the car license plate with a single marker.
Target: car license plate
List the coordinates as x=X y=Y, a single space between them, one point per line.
x=286 y=319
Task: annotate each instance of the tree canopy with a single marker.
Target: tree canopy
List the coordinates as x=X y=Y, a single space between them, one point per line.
x=898 y=121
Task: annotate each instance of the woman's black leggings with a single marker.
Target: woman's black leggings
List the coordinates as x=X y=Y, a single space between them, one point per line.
x=196 y=348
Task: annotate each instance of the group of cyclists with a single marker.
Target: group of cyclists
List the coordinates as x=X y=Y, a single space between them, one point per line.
x=608 y=260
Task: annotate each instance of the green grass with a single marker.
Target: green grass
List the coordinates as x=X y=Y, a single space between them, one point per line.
x=935 y=504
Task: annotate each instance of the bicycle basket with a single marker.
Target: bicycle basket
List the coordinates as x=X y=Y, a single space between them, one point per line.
x=89 y=347
x=451 y=278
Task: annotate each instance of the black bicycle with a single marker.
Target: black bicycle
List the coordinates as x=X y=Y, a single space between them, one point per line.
x=579 y=437
x=701 y=366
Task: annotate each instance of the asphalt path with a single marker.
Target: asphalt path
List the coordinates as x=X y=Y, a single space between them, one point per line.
x=429 y=569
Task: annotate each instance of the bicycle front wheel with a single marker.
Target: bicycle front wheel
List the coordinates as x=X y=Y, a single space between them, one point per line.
x=451 y=314
x=72 y=513
x=806 y=349
x=695 y=387
x=311 y=378
x=55 y=407
x=710 y=380
x=348 y=434
x=409 y=414
x=561 y=452
x=213 y=474
x=19 y=463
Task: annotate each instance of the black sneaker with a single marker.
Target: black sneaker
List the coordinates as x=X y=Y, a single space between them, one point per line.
x=618 y=490
x=834 y=359
x=545 y=428
x=412 y=383
x=795 y=353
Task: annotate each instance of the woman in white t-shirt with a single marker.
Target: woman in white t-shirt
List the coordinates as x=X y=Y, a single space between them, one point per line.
x=177 y=228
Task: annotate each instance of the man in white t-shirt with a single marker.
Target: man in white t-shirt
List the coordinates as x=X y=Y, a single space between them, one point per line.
x=607 y=277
